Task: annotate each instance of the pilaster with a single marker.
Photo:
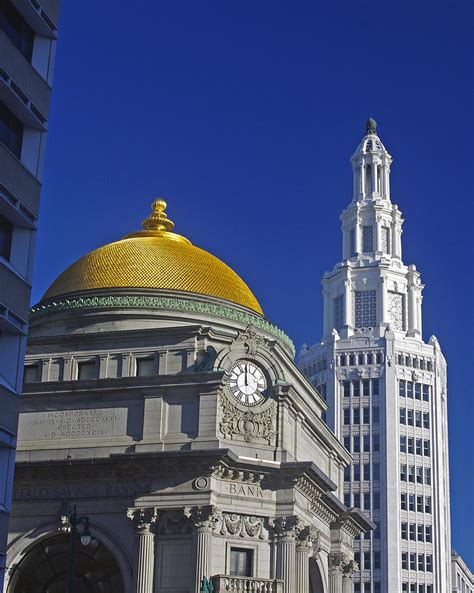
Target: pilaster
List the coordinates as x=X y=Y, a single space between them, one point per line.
x=284 y=533
x=144 y=520
x=204 y=520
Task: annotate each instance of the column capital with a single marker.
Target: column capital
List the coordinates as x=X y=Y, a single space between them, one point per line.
x=285 y=527
x=203 y=518
x=349 y=567
x=143 y=519
x=308 y=539
x=337 y=562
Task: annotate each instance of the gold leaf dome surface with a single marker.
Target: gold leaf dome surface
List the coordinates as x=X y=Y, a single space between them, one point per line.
x=154 y=258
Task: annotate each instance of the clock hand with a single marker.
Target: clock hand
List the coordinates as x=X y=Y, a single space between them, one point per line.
x=245 y=375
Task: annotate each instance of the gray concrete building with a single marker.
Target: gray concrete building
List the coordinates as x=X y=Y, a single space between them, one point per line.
x=28 y=32
x=162 y=405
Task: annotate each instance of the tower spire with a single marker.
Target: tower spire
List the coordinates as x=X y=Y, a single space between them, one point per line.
x=371 y=126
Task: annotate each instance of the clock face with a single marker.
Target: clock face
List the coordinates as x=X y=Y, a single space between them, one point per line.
x=248 y=383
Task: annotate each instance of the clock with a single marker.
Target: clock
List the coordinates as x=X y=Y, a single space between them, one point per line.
x=248 y=383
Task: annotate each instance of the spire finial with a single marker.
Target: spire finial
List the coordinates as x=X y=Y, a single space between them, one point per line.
x=371 y=126
x=158 y=219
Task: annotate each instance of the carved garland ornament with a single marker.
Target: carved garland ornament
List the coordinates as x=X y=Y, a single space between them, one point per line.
x=251 y=425
x=242 y=525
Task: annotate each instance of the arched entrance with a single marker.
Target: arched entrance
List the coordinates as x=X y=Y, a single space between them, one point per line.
x=44 y=568
x=315 y=577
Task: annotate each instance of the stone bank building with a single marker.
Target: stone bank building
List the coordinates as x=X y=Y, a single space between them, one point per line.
x=162 y=404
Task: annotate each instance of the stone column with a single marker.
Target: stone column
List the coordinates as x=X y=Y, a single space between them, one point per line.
x=143 y=578
x=335 y=573
x=284 y=533
x=383 y=300
x=348 y=569
x=305 y=543
x=348 y=322
x=204 y=520
x=378 y=234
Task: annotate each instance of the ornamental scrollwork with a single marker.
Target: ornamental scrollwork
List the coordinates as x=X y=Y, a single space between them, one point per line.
x=251 y=425
x=203 y=518
x=251 y=339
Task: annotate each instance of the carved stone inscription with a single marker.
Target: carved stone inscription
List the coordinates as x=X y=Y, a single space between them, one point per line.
x=63 y=424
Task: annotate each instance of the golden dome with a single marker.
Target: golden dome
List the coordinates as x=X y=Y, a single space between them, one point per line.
x=154 y=258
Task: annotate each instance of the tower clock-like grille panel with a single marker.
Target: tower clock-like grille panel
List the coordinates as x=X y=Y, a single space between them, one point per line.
x=396 y=310
x=365 y=308
x=339 y=312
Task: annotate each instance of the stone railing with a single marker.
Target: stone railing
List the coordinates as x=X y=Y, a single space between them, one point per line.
x=224 y=583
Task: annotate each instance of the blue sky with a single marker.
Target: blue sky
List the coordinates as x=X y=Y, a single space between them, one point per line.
x=243 y=115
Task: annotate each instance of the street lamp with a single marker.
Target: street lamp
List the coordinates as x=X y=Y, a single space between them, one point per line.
x=75 y=522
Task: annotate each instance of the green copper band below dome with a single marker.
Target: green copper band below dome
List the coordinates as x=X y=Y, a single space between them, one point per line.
x=170 y=304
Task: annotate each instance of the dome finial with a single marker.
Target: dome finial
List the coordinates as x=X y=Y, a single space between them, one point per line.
x=371 y=126
x=158 y=219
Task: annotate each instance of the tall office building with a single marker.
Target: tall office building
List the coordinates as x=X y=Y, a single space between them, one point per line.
x=386 y=390
x=28 y=31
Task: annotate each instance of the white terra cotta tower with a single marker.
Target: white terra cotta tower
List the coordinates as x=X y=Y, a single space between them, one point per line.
x=386 y=390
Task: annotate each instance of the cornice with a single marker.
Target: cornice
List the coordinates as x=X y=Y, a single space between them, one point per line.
x=161 y=303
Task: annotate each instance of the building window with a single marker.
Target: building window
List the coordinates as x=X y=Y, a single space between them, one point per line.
x=375 y=415
x=404 y=531
x=365 y=308
x=339 y=312
x=376 y=472
x=352 y=360
x=366 y=467
x=402 y=389
x=146 y=367
x=367 y=562
x=410 y=445
x=356 y=472
x=347 y=473
x=396 y=310
x=347 y=443
x=366 y=496
x=426 y=419
x=410 y=389
x=347 y=416
x=346 y=388
x=429 y=563
x=376 y=563
x=356 y=441
x=386 y=239
x=411 y=502
x=375 y=442
x=6 y=231
x=356 y=388
x=426 y=448
x=417 y=418
x=419 y=504
x=403 y=472
x=366 y=415
x=412 y=532
x=31 y=374
x=428 y=536
x=86 y=370
x=241 y=562
x=366 y=443
x=418 y=391
x=347 y=499
x=356 y=415
x=421 y=533
x=366 y=387
x=421 y=562
x=375 y=387
x=356 y=500
x=367 y=239
x=419 y=475
x=428 y=505
x=403 y=501
x=403 y=416
x=11 y=130
x=16 y=28
x=427 y=476
x=426 y=393
x=412 y=561
x=405 y=560
x=419 y=450
x=410 y=417
x=403 y=444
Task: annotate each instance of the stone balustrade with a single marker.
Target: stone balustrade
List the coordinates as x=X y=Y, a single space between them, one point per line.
x=224 y=583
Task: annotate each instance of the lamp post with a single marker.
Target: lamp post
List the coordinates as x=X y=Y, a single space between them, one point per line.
x=74 y=522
